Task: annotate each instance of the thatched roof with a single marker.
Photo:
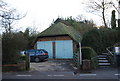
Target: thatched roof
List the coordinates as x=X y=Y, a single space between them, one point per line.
x=61 y=29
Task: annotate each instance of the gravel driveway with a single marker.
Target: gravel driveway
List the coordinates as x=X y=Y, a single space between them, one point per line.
x=52 y=65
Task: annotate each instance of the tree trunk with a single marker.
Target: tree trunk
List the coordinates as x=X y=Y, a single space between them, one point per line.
x=104 y=21
x=103 y=14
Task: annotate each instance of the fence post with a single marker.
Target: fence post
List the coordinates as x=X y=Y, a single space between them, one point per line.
x=27 y=61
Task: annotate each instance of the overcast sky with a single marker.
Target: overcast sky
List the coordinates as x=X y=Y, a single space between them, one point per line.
x=40 y=13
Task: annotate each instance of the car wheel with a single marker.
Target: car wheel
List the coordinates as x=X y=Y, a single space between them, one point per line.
x=37 y=59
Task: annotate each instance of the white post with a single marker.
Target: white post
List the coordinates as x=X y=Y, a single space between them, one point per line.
x=80 y=53
x=119 y=13
x=119 y=9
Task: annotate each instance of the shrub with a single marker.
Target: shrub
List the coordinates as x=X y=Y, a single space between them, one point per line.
x=90 y=54
x=92 y=39
x=12 y=43
x=100 y=39
x=21 y=58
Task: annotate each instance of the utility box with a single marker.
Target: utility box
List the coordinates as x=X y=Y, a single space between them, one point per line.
x=117 y=50
x=117 y=55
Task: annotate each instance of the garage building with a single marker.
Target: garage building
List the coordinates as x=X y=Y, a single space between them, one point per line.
x=60 y=40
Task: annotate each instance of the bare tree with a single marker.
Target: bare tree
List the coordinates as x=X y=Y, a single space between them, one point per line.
x=100 y=6
x=8 y=16
x=116 y=6
x=3 y=5
x=7 y=19
x=80 y=18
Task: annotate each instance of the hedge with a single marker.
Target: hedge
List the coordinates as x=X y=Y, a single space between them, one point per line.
x=90 y=54
x=100 y=39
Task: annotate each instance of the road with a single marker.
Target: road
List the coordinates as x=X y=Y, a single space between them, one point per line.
x=60 y=75
x=57 y=72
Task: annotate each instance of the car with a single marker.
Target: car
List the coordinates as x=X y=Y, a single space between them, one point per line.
x=37 y=55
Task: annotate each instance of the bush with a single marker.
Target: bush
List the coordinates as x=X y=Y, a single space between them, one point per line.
x=92 y=39
x=100 y=39
x=12 y=43
x=90 y=54
x=21 y=58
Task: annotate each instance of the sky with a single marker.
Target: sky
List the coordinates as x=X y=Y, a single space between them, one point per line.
x=41 y=13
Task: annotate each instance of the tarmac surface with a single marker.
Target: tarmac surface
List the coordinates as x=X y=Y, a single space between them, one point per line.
x=53 y=65
x=53 y=69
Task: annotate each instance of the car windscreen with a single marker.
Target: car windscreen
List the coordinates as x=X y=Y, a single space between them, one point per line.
x=44 y=50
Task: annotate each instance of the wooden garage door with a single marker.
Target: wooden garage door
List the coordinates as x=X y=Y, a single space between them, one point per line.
x=64 y=49
x=47 y=45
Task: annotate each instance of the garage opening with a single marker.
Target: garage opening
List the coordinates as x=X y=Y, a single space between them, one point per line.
x=59 y=49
